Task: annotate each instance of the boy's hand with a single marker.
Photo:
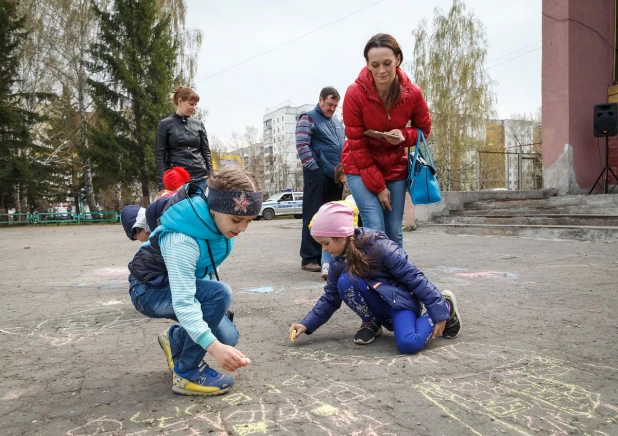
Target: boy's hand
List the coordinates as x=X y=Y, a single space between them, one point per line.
x=438 y=329
x=295 y=331
x=228 y=357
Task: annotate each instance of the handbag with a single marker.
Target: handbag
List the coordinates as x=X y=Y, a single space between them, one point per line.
x=422 y=183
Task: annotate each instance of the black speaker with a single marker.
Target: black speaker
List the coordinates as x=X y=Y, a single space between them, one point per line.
x=605 y=120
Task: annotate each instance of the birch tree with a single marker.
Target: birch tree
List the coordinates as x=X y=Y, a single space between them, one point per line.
x=448 y=64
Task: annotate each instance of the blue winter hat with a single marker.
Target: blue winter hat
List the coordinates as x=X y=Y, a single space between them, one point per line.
x=128 y=216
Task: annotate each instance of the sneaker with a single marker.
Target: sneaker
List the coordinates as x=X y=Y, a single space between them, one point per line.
x=230 y=315
x=453 y=324
x=164 y=342
x=312 y=267
x=368 y=333
x=325 y=271
x=202 y=381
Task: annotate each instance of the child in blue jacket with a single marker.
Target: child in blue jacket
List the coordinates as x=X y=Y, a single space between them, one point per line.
x=374 y=277
x=169 y=278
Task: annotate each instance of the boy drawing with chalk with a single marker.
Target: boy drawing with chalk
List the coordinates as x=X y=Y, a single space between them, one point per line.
x=196 y=234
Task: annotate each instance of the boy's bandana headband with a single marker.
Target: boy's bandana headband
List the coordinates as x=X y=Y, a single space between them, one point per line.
x=235 y=202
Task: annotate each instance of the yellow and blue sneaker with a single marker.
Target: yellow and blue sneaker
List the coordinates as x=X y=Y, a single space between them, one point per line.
x=164 y=342
x=201 y=381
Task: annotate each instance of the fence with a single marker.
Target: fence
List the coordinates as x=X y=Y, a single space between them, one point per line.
x=509 y=170
x=59 y=218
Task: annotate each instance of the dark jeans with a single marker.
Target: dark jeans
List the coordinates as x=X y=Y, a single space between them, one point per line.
x=411 y=331
x=215 y=298
x=201 y=184
x=318 y=190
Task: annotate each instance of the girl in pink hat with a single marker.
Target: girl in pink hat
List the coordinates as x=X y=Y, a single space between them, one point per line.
x=373 y=276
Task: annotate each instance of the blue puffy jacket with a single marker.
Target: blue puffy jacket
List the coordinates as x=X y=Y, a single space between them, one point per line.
x=403 y=285
x=186 y=212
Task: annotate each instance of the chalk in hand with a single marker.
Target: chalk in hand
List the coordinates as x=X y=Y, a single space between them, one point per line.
x=245 y=360
x=293 y=336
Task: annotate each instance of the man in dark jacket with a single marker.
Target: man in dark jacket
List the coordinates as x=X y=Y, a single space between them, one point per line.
x=319 y=142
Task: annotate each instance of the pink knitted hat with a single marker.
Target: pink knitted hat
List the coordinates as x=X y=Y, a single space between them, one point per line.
x=334 y=220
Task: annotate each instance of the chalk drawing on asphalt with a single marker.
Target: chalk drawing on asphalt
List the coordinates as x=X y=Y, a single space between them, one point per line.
x=328 y=408
x=522 y=391
x=71 y=328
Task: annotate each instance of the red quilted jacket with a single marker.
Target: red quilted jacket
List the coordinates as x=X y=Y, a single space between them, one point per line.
x=376 y=160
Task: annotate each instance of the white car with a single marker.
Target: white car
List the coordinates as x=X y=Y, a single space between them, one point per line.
x=283 y=203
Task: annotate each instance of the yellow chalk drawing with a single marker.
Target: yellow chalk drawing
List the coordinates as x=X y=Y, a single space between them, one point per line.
x=514 y=388
x=295 y=381
x=491 y=389
x=325 y=410
x=247 y=429
x=236 y=399
x=526 y=397
x=273 y=390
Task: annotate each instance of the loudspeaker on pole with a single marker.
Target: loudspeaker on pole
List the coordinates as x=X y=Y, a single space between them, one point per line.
x=605 y=120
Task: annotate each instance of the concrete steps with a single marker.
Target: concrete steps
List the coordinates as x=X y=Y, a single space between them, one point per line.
x=532 y=219
x=578 y=217
x=576 y=233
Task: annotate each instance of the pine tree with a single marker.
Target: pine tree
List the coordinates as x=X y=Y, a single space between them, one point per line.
x=23 y=176
x=133 y=73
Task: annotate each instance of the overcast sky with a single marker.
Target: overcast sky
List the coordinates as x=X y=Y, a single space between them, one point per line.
x=238 y=30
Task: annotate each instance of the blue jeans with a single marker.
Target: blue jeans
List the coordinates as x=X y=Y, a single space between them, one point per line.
x=374 y=217
x=215 y=299
x=411 y=331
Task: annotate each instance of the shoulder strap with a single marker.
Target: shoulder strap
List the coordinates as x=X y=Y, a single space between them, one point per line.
x=412 y=162
x=422 y=136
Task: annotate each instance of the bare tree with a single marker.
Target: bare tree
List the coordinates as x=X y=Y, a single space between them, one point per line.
x=189 y=40
x=449 y=66
x=250 y=148
x=282 y=176
x=523 y=138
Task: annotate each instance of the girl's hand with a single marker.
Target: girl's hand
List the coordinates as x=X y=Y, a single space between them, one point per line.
x=295 y=331
x=438 y=328
x=396 y=132
x=385 y=199
x=228 y=357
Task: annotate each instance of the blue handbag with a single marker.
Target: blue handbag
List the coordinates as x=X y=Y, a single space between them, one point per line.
x=422 y=183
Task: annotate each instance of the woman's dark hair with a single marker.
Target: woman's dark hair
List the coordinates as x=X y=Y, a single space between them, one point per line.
x=384 y=40
x=358 y=262
x=185 y=93
x=233 y=179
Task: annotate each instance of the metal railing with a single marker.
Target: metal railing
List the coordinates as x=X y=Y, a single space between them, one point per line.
x=510 y=171
x=59 y=218
x=15 y=218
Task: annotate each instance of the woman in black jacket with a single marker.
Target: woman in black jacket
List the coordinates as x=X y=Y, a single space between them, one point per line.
x=182 y=140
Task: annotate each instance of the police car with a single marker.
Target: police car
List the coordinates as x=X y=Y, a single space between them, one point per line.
x=283 y=203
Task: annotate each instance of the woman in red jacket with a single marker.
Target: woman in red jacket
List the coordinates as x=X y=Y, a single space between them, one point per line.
x=384 y=99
